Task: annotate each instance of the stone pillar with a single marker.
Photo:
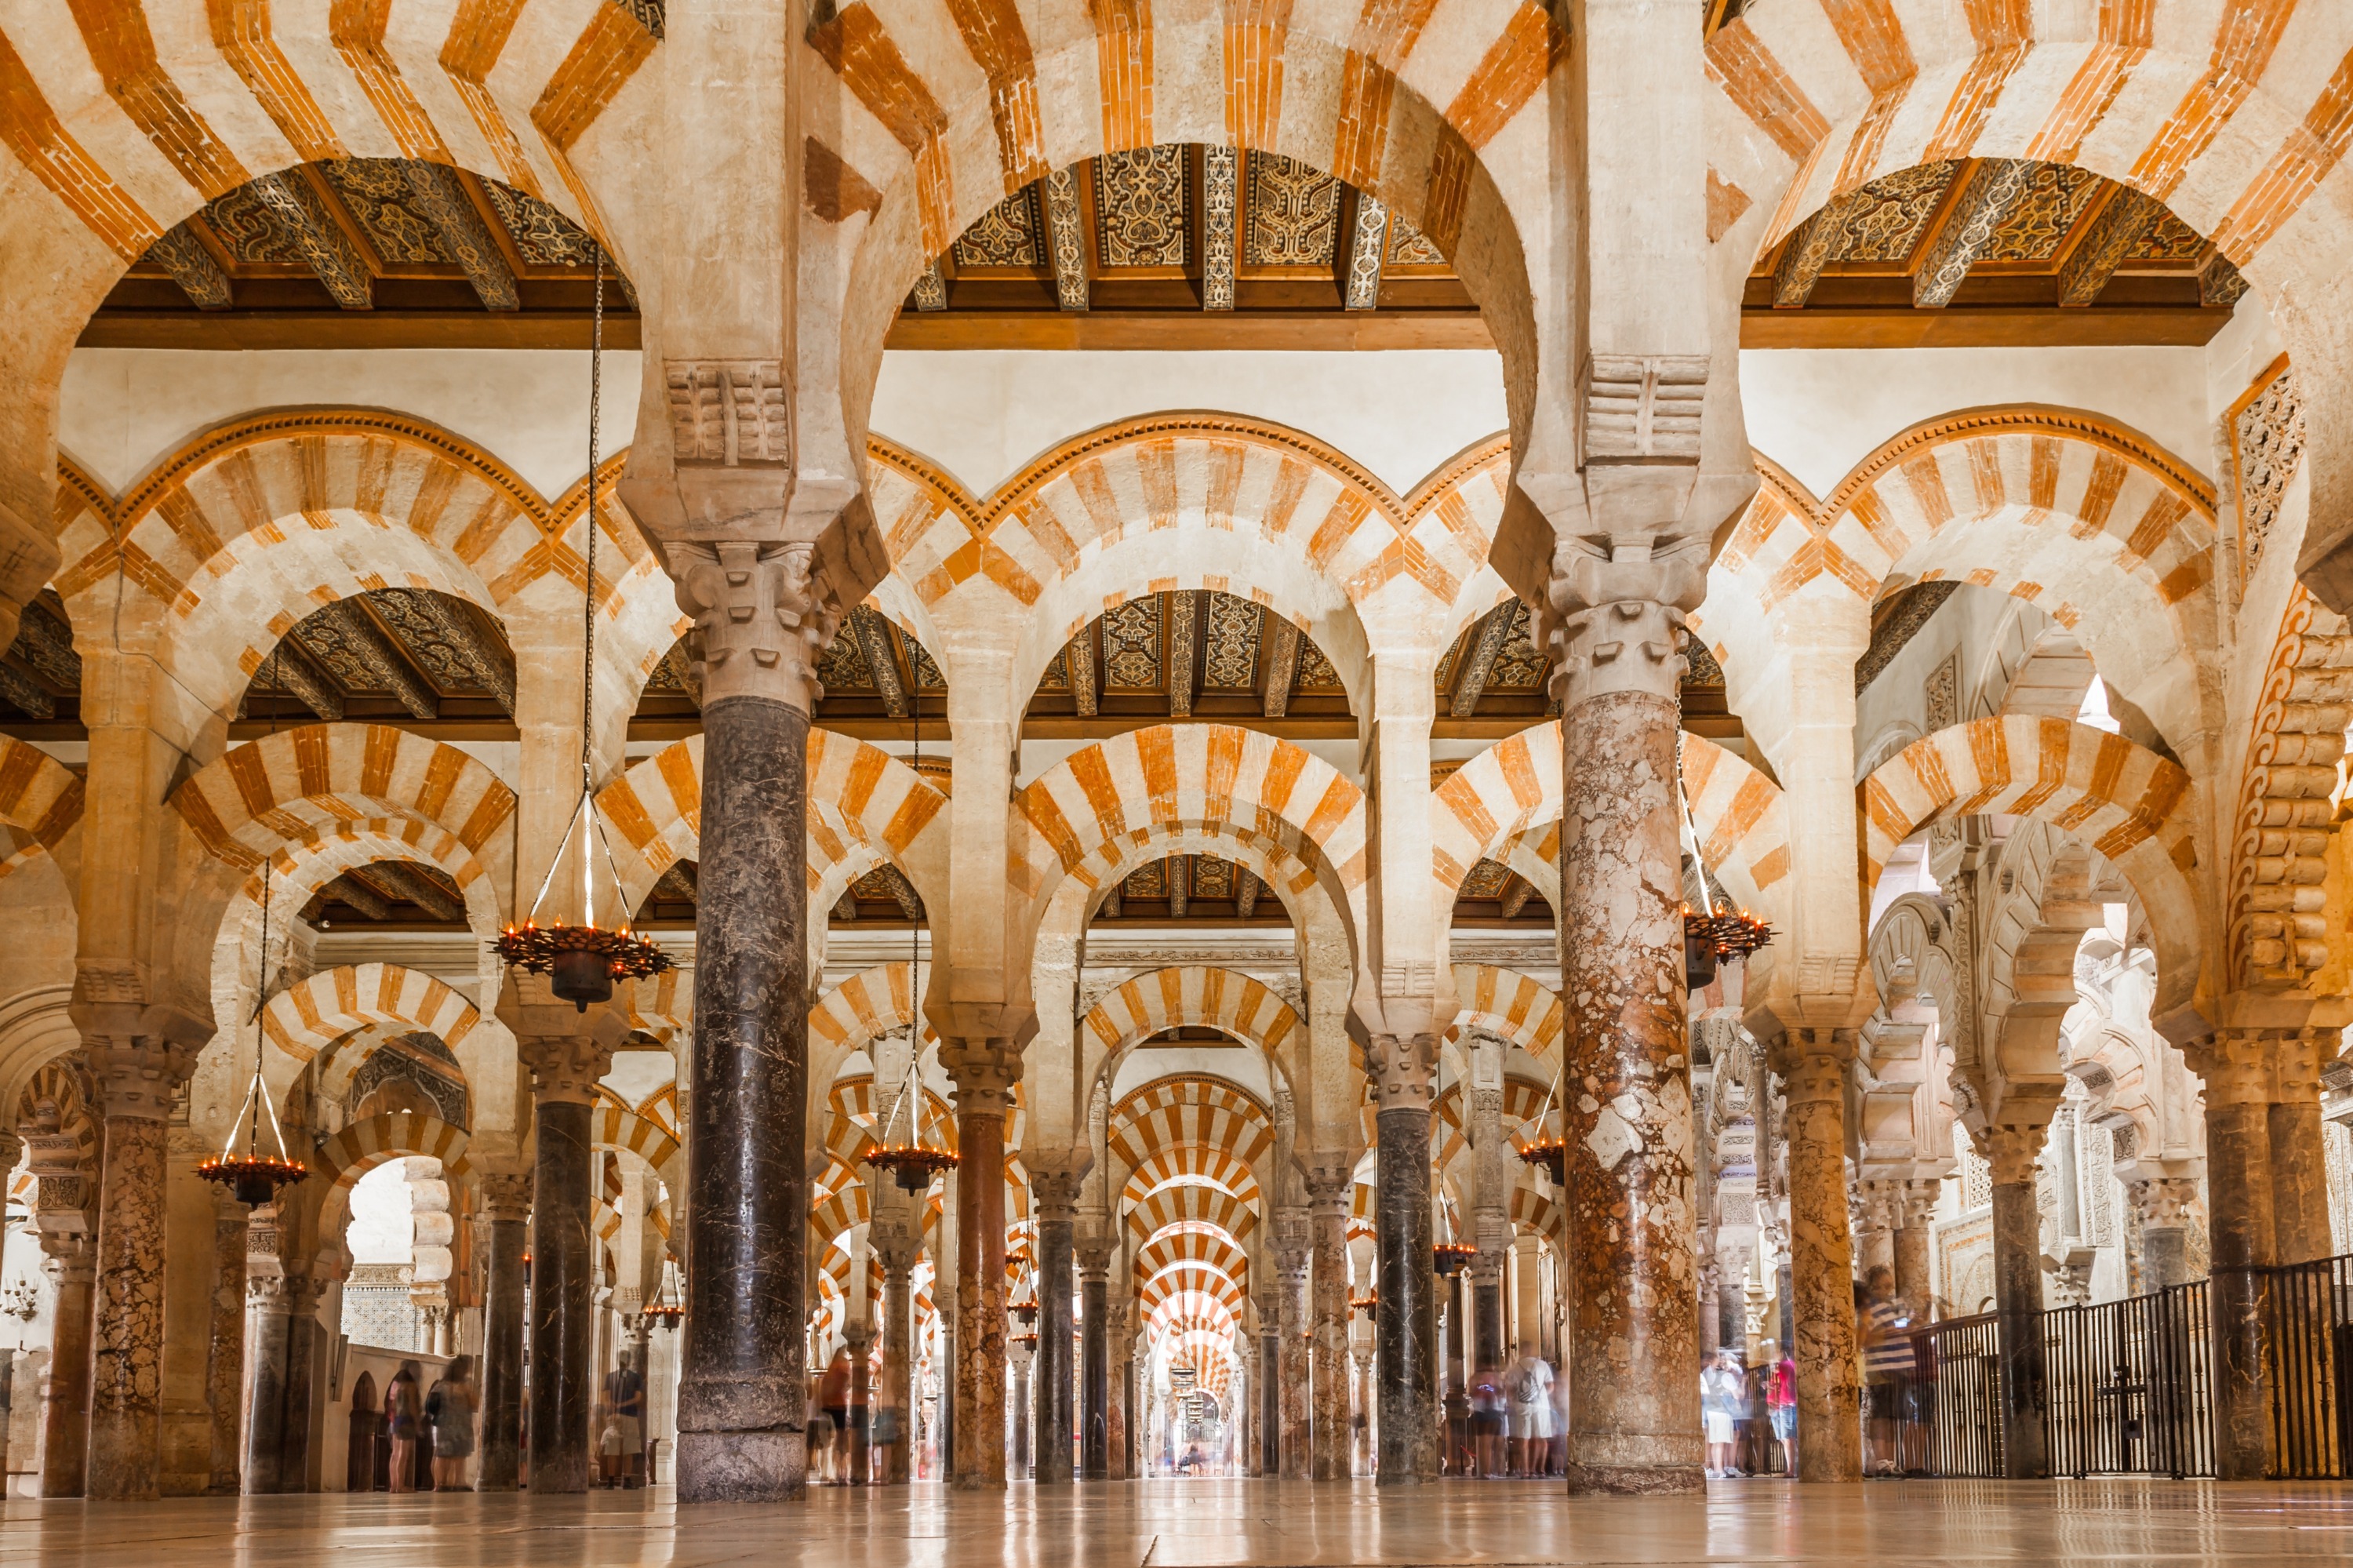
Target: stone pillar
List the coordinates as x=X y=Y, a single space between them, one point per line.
x=2163 y=1204
x=1731 y=1297
x=2299 y=1156
x=72 y=1267
x=1094 y=1370
x=898 y=1256
x=136 y=1078
x=1916 y=1211
x=984 y=1072
x=285 y=1341
x=1270 y=1401
x=1487 y=1310
x=225 y=1353
x=1813 y=1064
x=2012 y=1149
x=760 y=624
x=1056 y=1195
x=564 y=1069
x=1292 y=1332
x=1405 y=1323
x=503 y=1216
x=1633 y=1350
x=1328 y=1187
x=2243 y=1227
x=1018 y=1358
x=1872 y=1217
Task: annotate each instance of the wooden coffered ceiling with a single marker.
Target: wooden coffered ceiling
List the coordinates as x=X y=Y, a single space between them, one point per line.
x=365 y=252
x=1189 y=247
x=1988 y=251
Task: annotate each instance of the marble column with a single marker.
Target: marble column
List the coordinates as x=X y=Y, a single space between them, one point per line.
x=136 y=1078
x=2243 y=1225
x=2012 y=1149
x=2299 y=1156
x=1292 y=1332
x=1487 y=1339
x=1872 y=1217
x=503 y=1216
x=1813 y=1066
x=898 y=1256
x=1270 y=1398
x=1405 y=1321
x=1094 y=1361
x=1731 y=1297
x=278 y=1415
x=1056 y=1195
x=2163 y=1205
x=984 y=1072
x=1917 y=1213
x=72 y=1265
x=759 y=625
x=1633 y=1332
x=1328 y=1189
x=564 y=1069
x=225 y=1353
x=1019 y=1357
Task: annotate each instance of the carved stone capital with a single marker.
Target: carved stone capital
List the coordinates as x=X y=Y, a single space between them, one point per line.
x=762 y=620
x=1093 y=1253
x=2163 y=1202
x=1403 y=1069
x=137 y=1078
x=565 y=1067
x=1615 y=624
x=69 y=1259
x=1055 y=1194
x=503 y=1195
x=1329 y=1187
x=1917 y=1204
x=2236 y=1063
x=1813 y=1064
x=983 y=1071
x=2011 y=1149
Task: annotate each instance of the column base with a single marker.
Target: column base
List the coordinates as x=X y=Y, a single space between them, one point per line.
x=1634 y=1467
x=743 y=1466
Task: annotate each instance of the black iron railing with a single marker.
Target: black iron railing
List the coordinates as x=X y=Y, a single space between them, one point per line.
x=2308 y=1324
x=2129 y=1386
x=1949 y=1419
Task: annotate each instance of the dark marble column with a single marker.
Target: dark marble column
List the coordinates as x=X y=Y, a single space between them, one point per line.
x=1270 y=1403
x=284 y=1326
x=1019 y=1359
x=2299 y=1156
x=742 y=1400
x=1405 y=1323
x=1487 y=1348
x=1329 y=1190
x=898 y=1256
x=1633 y=1333
x=65 y=1415
x=2163 y=1205
x=2011 y=1151
x=504 y=1214
x=1056 y=1194
x=984 y=1072
x=2244 y=1231
x=136 y=1078
x=565 y=1070
x=1813 y=1066
x=1094 y=1361
x=225 y=1355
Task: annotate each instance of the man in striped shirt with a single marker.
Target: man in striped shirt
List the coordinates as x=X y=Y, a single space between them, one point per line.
x=1887 y=1366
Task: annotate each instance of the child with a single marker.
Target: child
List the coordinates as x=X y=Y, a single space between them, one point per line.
x=609 y=1458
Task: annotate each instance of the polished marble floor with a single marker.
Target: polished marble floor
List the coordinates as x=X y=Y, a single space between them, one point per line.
x=1223 y=1524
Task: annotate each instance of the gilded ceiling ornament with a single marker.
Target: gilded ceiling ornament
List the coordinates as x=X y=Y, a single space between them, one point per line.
x=1294 y=213
x=1141 y=210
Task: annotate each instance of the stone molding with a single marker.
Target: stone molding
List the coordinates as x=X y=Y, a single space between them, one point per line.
x=762 y=616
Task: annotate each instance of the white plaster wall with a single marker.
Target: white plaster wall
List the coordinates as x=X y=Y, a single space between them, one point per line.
x=984 y=413
x=1818 y=412
x=125 y=409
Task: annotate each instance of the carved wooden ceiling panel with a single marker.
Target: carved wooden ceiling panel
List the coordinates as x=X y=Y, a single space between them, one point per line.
x=1143 y=207
x=1295 y=214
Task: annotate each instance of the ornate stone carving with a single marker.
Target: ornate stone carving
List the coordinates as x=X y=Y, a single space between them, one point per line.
x=731 y=411
x=1402 y=1069
x=1064 y=227
x=761 y=622
x=1363 y=290
x=1219 y=179
x=565 y=1067
x=1643 y=405
x=931 y=289
x=2267 y=438
x=139 y=1077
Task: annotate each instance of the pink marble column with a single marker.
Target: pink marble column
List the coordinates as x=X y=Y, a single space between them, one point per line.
x=225 y=1356
x=136 y=1078
x=1813 y=1064
x=1633 y=1330
x=1328 y=1189
x=1916 y=1209
x=65 y=1415
x=1291 y=1269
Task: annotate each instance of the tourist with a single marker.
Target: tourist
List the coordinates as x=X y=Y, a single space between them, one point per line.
x=833 y=1398
x=625 y=1390
x=1886 y=1369
x=1781 y=1404
x=450 y=1410
x=1488 y=1407
x=1530 y=1387
x=404 y=1418
x=1719 y=1404
x=611 y=1445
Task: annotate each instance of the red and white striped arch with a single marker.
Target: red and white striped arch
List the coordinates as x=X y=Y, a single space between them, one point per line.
x=1188 y=1204
x=1190 y=1111
x=1518 y=1008
x=1146 y=1004
x=40 y=802
x=1191 y=1164
x=2129 y=803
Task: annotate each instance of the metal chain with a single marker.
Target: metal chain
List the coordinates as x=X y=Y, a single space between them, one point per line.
x=588 y=608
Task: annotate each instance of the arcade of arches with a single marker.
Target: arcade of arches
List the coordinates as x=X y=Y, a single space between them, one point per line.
x=1182 y=603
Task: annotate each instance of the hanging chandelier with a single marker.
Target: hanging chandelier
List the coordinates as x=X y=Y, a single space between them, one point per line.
x=912 y=1164
x=666 y=1310
x=1548 y=1151
x=1450 y=1258
x=1712 y=936
x=583 y=961
x=1368 y=1303
x=253 y=1177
